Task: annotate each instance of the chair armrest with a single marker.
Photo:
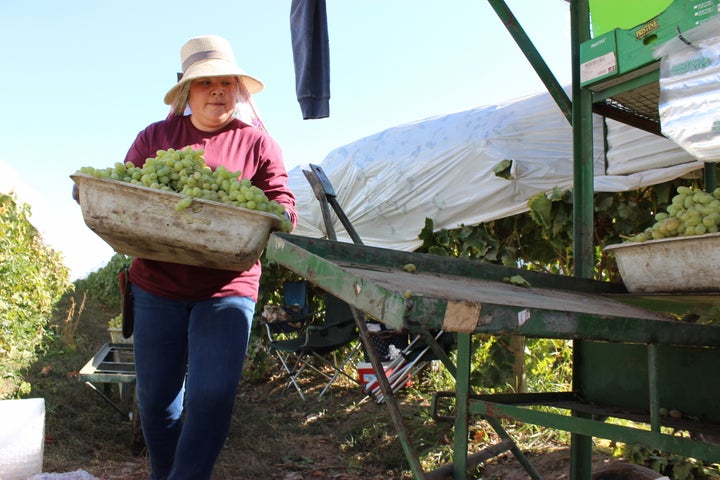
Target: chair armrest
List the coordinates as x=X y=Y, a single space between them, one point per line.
x=303 y=319
x=282 y=315
x=327 y=326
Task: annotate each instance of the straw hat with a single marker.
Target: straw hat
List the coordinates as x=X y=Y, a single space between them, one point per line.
x=209 y=56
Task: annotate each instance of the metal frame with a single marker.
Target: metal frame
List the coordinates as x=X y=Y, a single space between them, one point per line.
x=112 y=363
x=584 y=102
x=595 y=315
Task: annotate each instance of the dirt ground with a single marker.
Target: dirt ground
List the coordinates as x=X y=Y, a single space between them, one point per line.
x=274 y=435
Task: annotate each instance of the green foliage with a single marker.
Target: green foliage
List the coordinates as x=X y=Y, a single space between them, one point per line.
x=672 y=466
x=492 y=364
x=103 y=284
x=548 y=362
x=32 y=279
x=472 y=243
x=542 y=238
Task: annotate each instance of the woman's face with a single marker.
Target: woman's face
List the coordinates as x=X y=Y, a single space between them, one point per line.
x=212 y=102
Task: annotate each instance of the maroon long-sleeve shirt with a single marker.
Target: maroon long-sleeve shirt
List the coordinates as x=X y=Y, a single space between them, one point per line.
x=237 y=146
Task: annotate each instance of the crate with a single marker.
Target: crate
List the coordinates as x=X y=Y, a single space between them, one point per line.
x=142 y=222
x=116 y=337
x=670 y=265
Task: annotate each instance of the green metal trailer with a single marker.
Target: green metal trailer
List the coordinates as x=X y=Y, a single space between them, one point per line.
x=630 y=362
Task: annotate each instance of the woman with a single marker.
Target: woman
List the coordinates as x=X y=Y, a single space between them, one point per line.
x=192 y=324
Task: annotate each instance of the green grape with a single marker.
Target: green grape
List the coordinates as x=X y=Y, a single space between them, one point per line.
x=183 y=203
x=691 y=212
x=184 y=171
x=286 y=225
x=693 y=221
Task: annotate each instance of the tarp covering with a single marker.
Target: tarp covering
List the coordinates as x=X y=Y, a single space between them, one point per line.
x=442 y=168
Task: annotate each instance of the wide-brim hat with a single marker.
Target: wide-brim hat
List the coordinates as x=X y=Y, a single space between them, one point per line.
x=209 y=56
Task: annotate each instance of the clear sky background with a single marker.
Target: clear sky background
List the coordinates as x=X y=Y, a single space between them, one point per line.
x=81 y=78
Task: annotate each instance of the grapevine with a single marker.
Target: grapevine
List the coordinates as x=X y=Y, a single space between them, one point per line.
x=691 y=212
x=185 y=172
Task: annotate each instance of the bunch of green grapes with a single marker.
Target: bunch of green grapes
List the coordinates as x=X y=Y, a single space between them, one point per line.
x=185 y=172
x=116 y=322
x=691 y=212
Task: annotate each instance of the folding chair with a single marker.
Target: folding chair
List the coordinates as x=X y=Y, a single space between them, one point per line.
x=314 y=343
x=289 y=321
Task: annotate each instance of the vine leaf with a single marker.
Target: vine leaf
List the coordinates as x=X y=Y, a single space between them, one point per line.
x=540 y=209
x=503 y=169
x=517 y=280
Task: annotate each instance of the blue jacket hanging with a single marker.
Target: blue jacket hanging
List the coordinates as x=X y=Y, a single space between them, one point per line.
x=311 y=54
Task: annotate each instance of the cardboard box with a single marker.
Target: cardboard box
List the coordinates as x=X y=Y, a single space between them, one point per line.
x=621 y=52
x=607 y=15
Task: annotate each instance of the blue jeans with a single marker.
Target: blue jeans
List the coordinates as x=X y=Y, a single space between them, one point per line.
x=188 y=360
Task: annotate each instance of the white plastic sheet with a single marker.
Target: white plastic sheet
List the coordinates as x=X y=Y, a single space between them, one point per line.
x=689 y=95
x=22 y=438
x=631 y=150
x=76 y=475
x=442 y=168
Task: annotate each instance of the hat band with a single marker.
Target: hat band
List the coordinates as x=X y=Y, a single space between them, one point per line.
x=204 y=55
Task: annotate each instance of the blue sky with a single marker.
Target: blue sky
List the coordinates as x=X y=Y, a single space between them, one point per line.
x=81 y=78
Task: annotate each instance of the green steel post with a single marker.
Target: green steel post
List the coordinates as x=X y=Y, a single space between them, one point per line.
x=582 y=148
x=462 y=387
x=395 y=414
x=653 y=387
x=583 y=253
x=710 y=176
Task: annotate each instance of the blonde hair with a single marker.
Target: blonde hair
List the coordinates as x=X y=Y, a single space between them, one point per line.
x=180 y=101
